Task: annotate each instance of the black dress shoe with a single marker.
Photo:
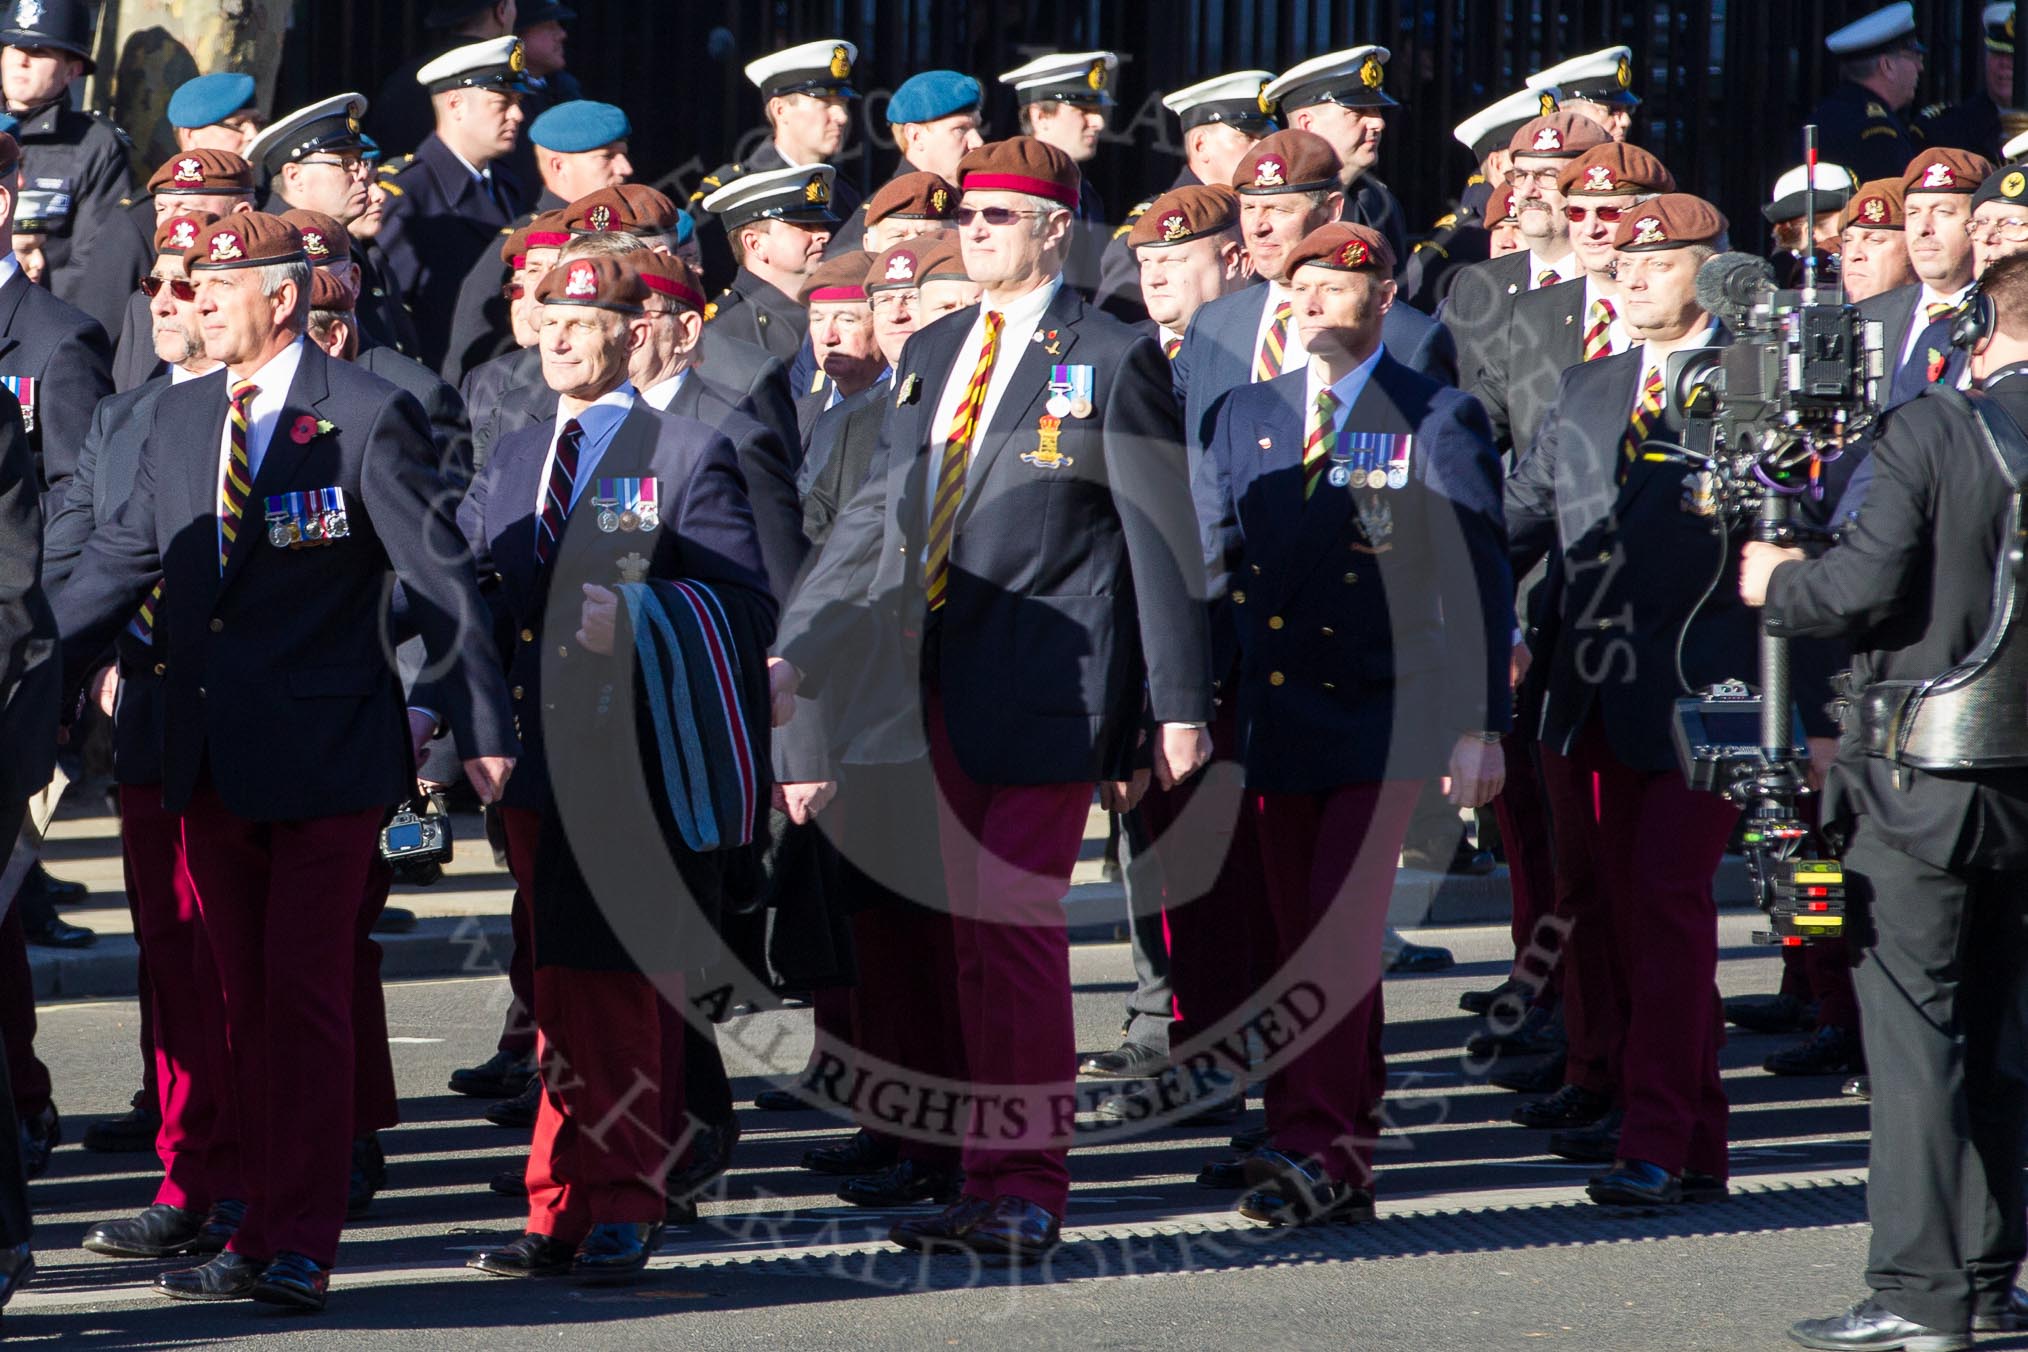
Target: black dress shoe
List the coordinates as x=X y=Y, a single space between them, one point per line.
x=1479 y=1002
x=1828 y=1051
x=518 y=1111
x=1770 y=1013
x=861 y=1154
x=1635 y=1183
x=17 y=1265
x=1702 y=1187
x=1858 y=1087
x=1871 y=1325
x=1463 y=859
x=1538 y=1032
x=904 y=1183
x=501 y=1075
x=369 y=1175
x=1227 y=1174
x=2011 y=1317
x=615 y=1252
x=779 y=1101
x=1250 y=1140
x=159 y=1231
x=1598 y=1143
x=710 y=1155
x=40 y=1135
x=532 y=1255
x=221 y=1223
x=510 y=1182
x=679 y=1211
x=229 y=1276
x=1291 y=1192
x=1419 y=959
x=60 y=891
x=293 y=1282
x=1015 y=1229
x=1128 y=1061
x=394 y=920
x=55 y=933
x=945 y=1230
x=131 y=1132
x=1526 y=1077
x=1571 y=1106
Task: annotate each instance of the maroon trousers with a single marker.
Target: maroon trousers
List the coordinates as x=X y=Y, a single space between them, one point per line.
x=1655 y=844
x=1594 y=1022
x=905 y=1014
x=280 y=902
x=374 y=1104
x=1329 y=861
x=198 y=1141
x=517 y=1030
x=1008 y=852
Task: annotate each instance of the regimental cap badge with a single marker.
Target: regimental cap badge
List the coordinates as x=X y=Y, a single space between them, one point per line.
x=901 y=268
x=1598 y=178
x=1267 y=105
x=1874 y=209
x=1648 y=230
x=188 y=170
x=2013 y=184
x=816 y=191
x=1096 y=76
x=1371 y=72
x=1268 y=173
x=1548 y=103
x=1624 y=73
x=517 y=57
x=1939 y=175
x=841 y=64
x=225 y=247
x=940 y=200
x=1174 y=227
x=1353 y=255
x=1548 y=138
x=583 y=280
x=314 y=245
x=28 y=13
x=183 y=234
x=352 y=125
x=600 y=218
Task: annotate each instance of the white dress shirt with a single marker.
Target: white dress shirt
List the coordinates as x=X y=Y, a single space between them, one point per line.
x=1346 y=390
x=1023 y=322
x=662 y=393
x=1920 y=320
x=598 y=422
x=271 y=390
x=1565 y=269
x=1616 y=332
x=1294 y=354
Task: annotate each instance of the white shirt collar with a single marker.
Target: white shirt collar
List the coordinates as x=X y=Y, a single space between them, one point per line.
x=662 y=393
x=474 y=170
x=178 y=375
x=9 y=265
x=1025 y=312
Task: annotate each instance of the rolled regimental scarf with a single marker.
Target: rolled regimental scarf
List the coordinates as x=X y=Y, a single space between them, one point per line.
x=696 y=691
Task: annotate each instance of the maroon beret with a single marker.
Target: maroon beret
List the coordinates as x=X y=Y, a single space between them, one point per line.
x=247 y=239
x=1021 y=164
x=1289 y=161
x=921 y=196
x=1183 y=214
x=1557 y=136
x=178 y=234
x=1672 y=221
x=324 y=237
x=604 y=283
x=1345 y=247
x=202 y=171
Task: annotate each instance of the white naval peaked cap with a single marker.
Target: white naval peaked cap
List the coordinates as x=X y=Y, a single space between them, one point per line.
x=1068 y=77
x=1877 y=31
x=1603 y=76
x=810 y=67
x=1350 y=78
x=1499 y=121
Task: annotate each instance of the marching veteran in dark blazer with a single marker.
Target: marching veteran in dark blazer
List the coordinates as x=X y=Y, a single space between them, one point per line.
x=1027 y=531
x=274 y=539
x=1357 y=562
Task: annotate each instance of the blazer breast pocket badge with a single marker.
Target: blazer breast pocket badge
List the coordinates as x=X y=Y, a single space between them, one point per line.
x=316 y=516
x=626 y=505
x=1071 y=391
x=1046 y=455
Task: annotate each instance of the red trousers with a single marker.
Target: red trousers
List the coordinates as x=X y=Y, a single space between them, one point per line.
x=198 y=1142
x=1329 y=862
x=280 y=902
x=1655 y=844
x=1008 y=852
x=1594 y=1022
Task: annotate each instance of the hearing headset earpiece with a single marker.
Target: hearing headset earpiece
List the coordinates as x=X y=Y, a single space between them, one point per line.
x=1973 y=322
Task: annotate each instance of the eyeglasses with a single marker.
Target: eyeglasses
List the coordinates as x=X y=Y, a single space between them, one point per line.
x=2013 y=230
x=180 y=287
x=353 y=166
x=1533 y=175
x=995 y=216
x=1608 y=215
x=513 y=291
x=891 y=299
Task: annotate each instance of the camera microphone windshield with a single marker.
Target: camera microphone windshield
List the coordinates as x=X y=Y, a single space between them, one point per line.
x=1731 y=284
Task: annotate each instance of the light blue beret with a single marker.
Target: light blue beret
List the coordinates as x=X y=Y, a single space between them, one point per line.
x=579 y=125
x=210 y=99
x=931 y=95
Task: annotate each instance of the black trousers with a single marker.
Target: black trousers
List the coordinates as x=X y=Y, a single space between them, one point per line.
x=1943 y=993
x=14 y=1219
x=1150 y=1009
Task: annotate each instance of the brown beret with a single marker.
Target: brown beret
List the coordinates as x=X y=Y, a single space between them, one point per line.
x=1183 y=214
x=1557 y=136
x=550 y=230
x=1288 y=161
x=842 y=278
x=178 y=234
x=1344 y=247
x=897 y=268
x=1021 y=164
x=604 y=283
x=634 y=208
x=1945 y=170
x=921 y=196
x=329 y=291
x=1672 y=221
x=203 y=171
x=324 y=238
x=668 y=276
x=248 y=239
x=1500 y=207
x=1875 y=205
x=1614 y=169
x=942 y=261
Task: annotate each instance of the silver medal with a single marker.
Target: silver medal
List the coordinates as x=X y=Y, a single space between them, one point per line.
x=1058 y=406
x=1339 y=476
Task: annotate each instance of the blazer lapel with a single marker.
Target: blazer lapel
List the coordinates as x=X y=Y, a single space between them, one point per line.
x=10 y=301
x=1276 y=478
x=1028 y=390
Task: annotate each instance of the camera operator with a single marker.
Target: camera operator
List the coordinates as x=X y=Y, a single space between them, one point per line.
x=1935 y=862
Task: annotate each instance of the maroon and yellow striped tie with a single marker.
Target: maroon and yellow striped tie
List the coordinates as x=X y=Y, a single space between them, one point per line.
x=1937 y=309
x=1647 y=409
x=1171 y=346
x=951 y=473
x=1546 y=277
x=1323 y=438
x=144 y=622
x=238 y=481
x=1598 y=338
x=1267 y=363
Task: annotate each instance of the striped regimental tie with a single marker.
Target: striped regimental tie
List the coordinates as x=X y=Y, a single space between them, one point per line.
x=1267 y=363
x=238 y=483
x=951 y=473
x=556 y=494
x=1321 y=441
x=1647 y=411
x=1598 y=337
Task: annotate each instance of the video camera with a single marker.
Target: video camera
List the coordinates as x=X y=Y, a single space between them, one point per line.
x=1761 y=417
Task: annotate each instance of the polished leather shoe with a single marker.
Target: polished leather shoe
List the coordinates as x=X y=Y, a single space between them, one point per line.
x=1250 y=1140
x=1858 y=1087
x=710 y=1155
x=394 y=920
x=2011 y=1317
x=615 y=1252
x=17 y=1265
x=1128 y=1061
x=1418 y=959
x=1770 y=1013
x=221 y=1223
x=1828 y=1051
x=1226 y=1174
x=55 y=933
x=510 y=1182
x=860 y=1154
x=1015 y=1229
x=945 y=1230
x=779 y=1101
x=229 y=1276
x=1463 y=860
x=60 y=891
x=369 y=1175
x=1537 y=1032
x=1479 y=1002
x=130 y=1133
x=1598 y=1143
x=159 y=1231
x=1290 y=1192
x=294 y=1282
x=518 y=1111
x=679 y=1211
x=1635 y=1183
x=501 y=1075
x=1571 y=1106
x=1702 y=1187
x=40 y=1135
x=904 y=1183
x=1870 y=1325
x=532 y=1255
x=1539 y=1077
